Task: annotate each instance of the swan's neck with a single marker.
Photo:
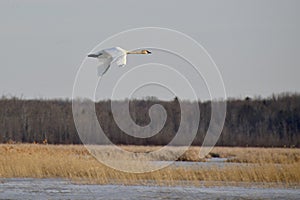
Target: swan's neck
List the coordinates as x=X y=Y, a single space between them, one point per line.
x=134 y=52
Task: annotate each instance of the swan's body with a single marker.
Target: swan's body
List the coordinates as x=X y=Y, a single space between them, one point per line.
x=113 y=55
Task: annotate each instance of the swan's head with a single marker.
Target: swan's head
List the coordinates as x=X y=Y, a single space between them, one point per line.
x=144 y=51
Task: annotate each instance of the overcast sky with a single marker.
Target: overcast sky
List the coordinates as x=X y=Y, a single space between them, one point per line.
x=255 y=44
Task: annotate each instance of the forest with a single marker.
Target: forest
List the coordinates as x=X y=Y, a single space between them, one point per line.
x=257 y=122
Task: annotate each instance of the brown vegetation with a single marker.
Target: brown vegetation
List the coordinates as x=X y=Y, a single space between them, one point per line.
x=260 y=155
x=279 y=166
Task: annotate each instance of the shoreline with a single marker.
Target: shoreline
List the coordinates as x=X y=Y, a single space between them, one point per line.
x=202 y=184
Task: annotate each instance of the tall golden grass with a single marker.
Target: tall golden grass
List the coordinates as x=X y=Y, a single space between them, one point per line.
x=279 y=165
x=259 y=155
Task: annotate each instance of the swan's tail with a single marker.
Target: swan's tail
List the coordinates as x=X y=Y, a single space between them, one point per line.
x=93 y=55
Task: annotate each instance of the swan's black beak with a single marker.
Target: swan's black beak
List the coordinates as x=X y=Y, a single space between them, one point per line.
x=92 y=55
x=149 y=52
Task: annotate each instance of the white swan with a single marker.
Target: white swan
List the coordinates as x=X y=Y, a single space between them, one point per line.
x=113 y=55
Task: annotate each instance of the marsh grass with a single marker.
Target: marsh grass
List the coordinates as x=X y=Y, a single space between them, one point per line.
x=259 y=155
x=280 y=166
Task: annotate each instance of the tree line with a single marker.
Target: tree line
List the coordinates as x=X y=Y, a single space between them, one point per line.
x=268 y=122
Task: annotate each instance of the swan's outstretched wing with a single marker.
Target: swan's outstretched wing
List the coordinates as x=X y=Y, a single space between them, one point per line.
x=121 y=60
x=104 y=65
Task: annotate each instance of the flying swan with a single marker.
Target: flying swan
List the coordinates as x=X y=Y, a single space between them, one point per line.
x=113 y=55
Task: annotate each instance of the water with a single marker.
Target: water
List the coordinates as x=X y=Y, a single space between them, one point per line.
x=64 y=189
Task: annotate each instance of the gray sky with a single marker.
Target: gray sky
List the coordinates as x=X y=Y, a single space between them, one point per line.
x=255 y=44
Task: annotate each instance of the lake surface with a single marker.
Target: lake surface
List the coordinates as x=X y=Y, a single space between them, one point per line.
x=63 y=189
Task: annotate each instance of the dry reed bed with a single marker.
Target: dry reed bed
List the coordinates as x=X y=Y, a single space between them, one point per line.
x=259 y=155
x=277 y=165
